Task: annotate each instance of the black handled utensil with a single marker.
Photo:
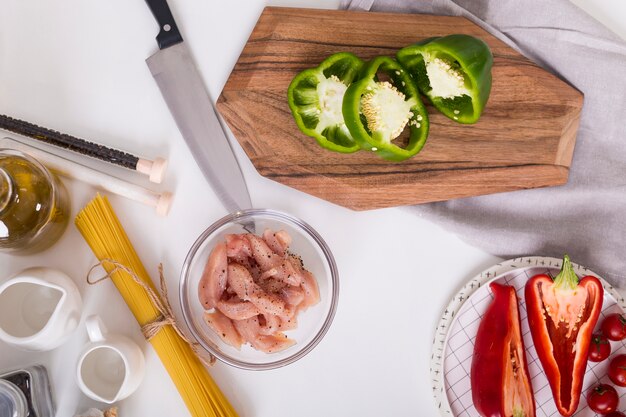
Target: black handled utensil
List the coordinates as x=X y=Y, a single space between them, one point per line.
x=186 y=96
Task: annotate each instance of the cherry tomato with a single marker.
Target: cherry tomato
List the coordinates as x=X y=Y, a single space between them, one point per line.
x=614 y=327
x=603 y=399
x=600 y=348
x=617 y=370
x=616 y=414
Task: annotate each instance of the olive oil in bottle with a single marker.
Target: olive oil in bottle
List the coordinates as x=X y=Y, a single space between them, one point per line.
x=34 y=206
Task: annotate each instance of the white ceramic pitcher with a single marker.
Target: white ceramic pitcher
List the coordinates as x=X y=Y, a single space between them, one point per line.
x=39 y=309
x=111 y=366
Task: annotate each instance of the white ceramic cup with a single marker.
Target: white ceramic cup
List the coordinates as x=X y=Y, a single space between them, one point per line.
x=39 y=309
x=111 y=367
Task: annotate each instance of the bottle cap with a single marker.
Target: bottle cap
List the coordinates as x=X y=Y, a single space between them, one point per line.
x=12 y=400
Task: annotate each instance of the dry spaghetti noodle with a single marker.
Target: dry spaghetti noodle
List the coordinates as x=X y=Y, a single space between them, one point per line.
x=105 y=235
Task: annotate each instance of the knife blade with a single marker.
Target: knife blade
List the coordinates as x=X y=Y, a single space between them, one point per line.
x=188 y=100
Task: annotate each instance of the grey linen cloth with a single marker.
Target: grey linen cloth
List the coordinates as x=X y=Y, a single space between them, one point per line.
x=586 y=218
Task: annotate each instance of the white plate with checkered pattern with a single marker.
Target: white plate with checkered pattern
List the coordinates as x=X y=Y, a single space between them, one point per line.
x=453 y=345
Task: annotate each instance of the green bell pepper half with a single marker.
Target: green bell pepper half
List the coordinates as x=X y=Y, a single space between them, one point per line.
x=454 y=72
x=377 y=112
x=315 y=97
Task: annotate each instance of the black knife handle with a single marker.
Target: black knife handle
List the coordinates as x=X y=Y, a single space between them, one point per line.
x=168 y=31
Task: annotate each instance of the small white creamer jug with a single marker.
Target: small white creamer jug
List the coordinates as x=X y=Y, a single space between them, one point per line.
x=111 y=367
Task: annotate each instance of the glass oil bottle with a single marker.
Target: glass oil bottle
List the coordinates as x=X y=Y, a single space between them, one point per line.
x=34 y=205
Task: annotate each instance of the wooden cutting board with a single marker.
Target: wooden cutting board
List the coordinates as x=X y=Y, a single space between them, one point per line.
x=524 y=139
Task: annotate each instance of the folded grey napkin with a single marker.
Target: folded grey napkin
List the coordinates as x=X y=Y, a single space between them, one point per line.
x=587 y=217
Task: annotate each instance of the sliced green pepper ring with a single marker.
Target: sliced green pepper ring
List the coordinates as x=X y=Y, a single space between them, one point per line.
x=315 y=97
x=454 y=72
x=377 y=112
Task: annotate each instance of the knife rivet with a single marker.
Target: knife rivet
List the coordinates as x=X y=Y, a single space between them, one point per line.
x=167 y=28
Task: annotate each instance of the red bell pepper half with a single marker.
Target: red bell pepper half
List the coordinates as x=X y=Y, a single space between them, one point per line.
x=500 y=380
x=562 y=313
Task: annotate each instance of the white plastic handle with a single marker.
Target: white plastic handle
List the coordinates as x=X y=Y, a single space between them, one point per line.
x=95 y=328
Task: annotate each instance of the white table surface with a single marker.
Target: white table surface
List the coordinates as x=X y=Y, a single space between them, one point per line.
x=78 y=67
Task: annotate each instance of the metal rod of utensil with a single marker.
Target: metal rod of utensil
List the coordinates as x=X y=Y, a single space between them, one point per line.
x=153 y=169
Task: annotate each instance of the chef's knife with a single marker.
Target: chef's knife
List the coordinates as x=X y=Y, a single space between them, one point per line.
x=186 y=96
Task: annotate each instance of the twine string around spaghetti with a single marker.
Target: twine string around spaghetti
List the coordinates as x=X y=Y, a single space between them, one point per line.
x=160 y=301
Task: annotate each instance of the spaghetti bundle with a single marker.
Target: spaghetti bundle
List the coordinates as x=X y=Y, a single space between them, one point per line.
x=105 y=235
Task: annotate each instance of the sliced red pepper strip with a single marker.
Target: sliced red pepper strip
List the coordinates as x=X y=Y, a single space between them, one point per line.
x=562 y=313
x=500 y=380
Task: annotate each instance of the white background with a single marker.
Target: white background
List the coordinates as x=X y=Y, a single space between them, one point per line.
x=78 y=67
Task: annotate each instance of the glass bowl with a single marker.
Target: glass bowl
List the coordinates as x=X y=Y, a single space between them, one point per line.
x=312 y=323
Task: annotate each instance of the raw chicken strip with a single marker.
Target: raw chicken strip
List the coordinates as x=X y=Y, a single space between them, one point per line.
x=273 y=343
x=237 y=246
x=213 y=281
x=272 y=264
x=283 y=238
x=293 y=296
x=307 y=283
x=262 y=253
x=241 y=281
x=224 y=328
x=277 y=241
x=273 y=285
x=285 y=272
x=311 y=291
x=237 y=309
x=250 y=330
x=288 y=324
x=269 y=324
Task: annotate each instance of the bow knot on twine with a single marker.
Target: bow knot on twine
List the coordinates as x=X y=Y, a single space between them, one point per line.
x=159 y=301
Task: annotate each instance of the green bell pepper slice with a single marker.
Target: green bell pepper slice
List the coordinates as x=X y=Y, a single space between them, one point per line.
x=377 y=112
x=315 y=98
x=454 y=72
